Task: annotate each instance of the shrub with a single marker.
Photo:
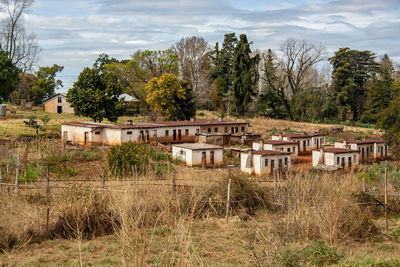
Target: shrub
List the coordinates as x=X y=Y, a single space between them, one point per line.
x=123 y=158
x=316 y=254
x=85 y=156
x=56 y=159
x=86 y=215
x=33 y=172
x=45 y=118
x=246 y=198
x=64 y=171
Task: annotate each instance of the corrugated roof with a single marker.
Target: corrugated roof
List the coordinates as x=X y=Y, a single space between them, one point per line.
x=366 y=141
x=270 y=152
x=279 y=142
x=303 y=135
x=141 y=125
x=339 y=150
x=198 y=146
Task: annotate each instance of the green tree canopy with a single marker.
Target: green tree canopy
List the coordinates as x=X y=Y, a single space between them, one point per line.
x=134 y=74
x=47 y=83
x=351 y=71
x=96 y=95
x=8 y=76
x=244 y=75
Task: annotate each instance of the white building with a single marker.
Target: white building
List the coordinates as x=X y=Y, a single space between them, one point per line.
x=87 y=133
x=369 y=148
x=264 y=162
x=198 y=154
x=307 y=141
x=278 y=145
x=339 y=158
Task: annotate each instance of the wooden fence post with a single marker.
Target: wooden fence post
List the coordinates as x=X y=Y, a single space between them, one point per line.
x=228 y=199
x=386 y=200
x=173 y=184
x=16 y=175
x=103 y=179
x=47 y=220
x=364 y=186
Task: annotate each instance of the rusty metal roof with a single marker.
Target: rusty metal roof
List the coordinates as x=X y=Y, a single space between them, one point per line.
x=279 y=142
x=365 y=141
x=339 y=150
x=198 y=146
x=159 y=124
x=270 y=152
x=303 y=135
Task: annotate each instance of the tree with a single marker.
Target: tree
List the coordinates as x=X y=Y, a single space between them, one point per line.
x=244 y=75
x=96 y=94
x=103 y=60
x=134 y=74
x=299 y=58
x=20 y=46
x=223 y=67
x=167 y=96
x=389 y=122
x=273 y=101
x=26 y=89
x=8 y=76
x=351 y=71
x=192 y=60
x=46 y=81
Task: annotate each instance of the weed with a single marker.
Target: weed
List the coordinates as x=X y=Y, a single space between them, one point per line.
x=316 y=254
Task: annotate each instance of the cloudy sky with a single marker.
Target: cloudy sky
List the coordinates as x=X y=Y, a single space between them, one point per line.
x=73 y=33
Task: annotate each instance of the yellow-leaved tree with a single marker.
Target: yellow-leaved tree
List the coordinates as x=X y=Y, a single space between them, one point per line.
x=164 y=94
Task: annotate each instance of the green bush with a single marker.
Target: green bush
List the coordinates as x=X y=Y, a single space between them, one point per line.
x=33 y=172
x=123 y=159
x=65 y=172
x=316 y=254
x=45 y=118
x=85 y=156
x=56 y=159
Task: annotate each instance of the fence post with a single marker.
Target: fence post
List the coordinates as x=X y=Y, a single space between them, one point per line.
x=228 y=200
x=173 y=183
x=47 y=220
x=16 y=175
x=386 y=200
x=364 y=186
x=103 y=179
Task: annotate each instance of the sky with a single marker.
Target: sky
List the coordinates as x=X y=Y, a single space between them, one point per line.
x=72 y=33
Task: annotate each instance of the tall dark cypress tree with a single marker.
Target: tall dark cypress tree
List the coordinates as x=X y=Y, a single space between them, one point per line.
x=244 y=75
x=223 y=67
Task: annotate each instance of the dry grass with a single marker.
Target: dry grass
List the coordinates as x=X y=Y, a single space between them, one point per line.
x=149 y=226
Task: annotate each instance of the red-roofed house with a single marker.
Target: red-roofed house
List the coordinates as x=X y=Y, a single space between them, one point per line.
x=264 y=162
x=369 y=148
x=163 y=132
x=277 y=145
x=340 y=158
x=306 y=141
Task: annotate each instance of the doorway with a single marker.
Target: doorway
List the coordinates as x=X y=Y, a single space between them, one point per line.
x=212 y=157
x=174 y=135
x=86 y=139
x=203 y=158
x=304 y=145
x=179 y=135
x=59 y=109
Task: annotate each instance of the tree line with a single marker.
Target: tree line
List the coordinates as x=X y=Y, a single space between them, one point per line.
x=18 y=57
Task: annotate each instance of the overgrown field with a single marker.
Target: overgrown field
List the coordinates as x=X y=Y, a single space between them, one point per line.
x=139 y=218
